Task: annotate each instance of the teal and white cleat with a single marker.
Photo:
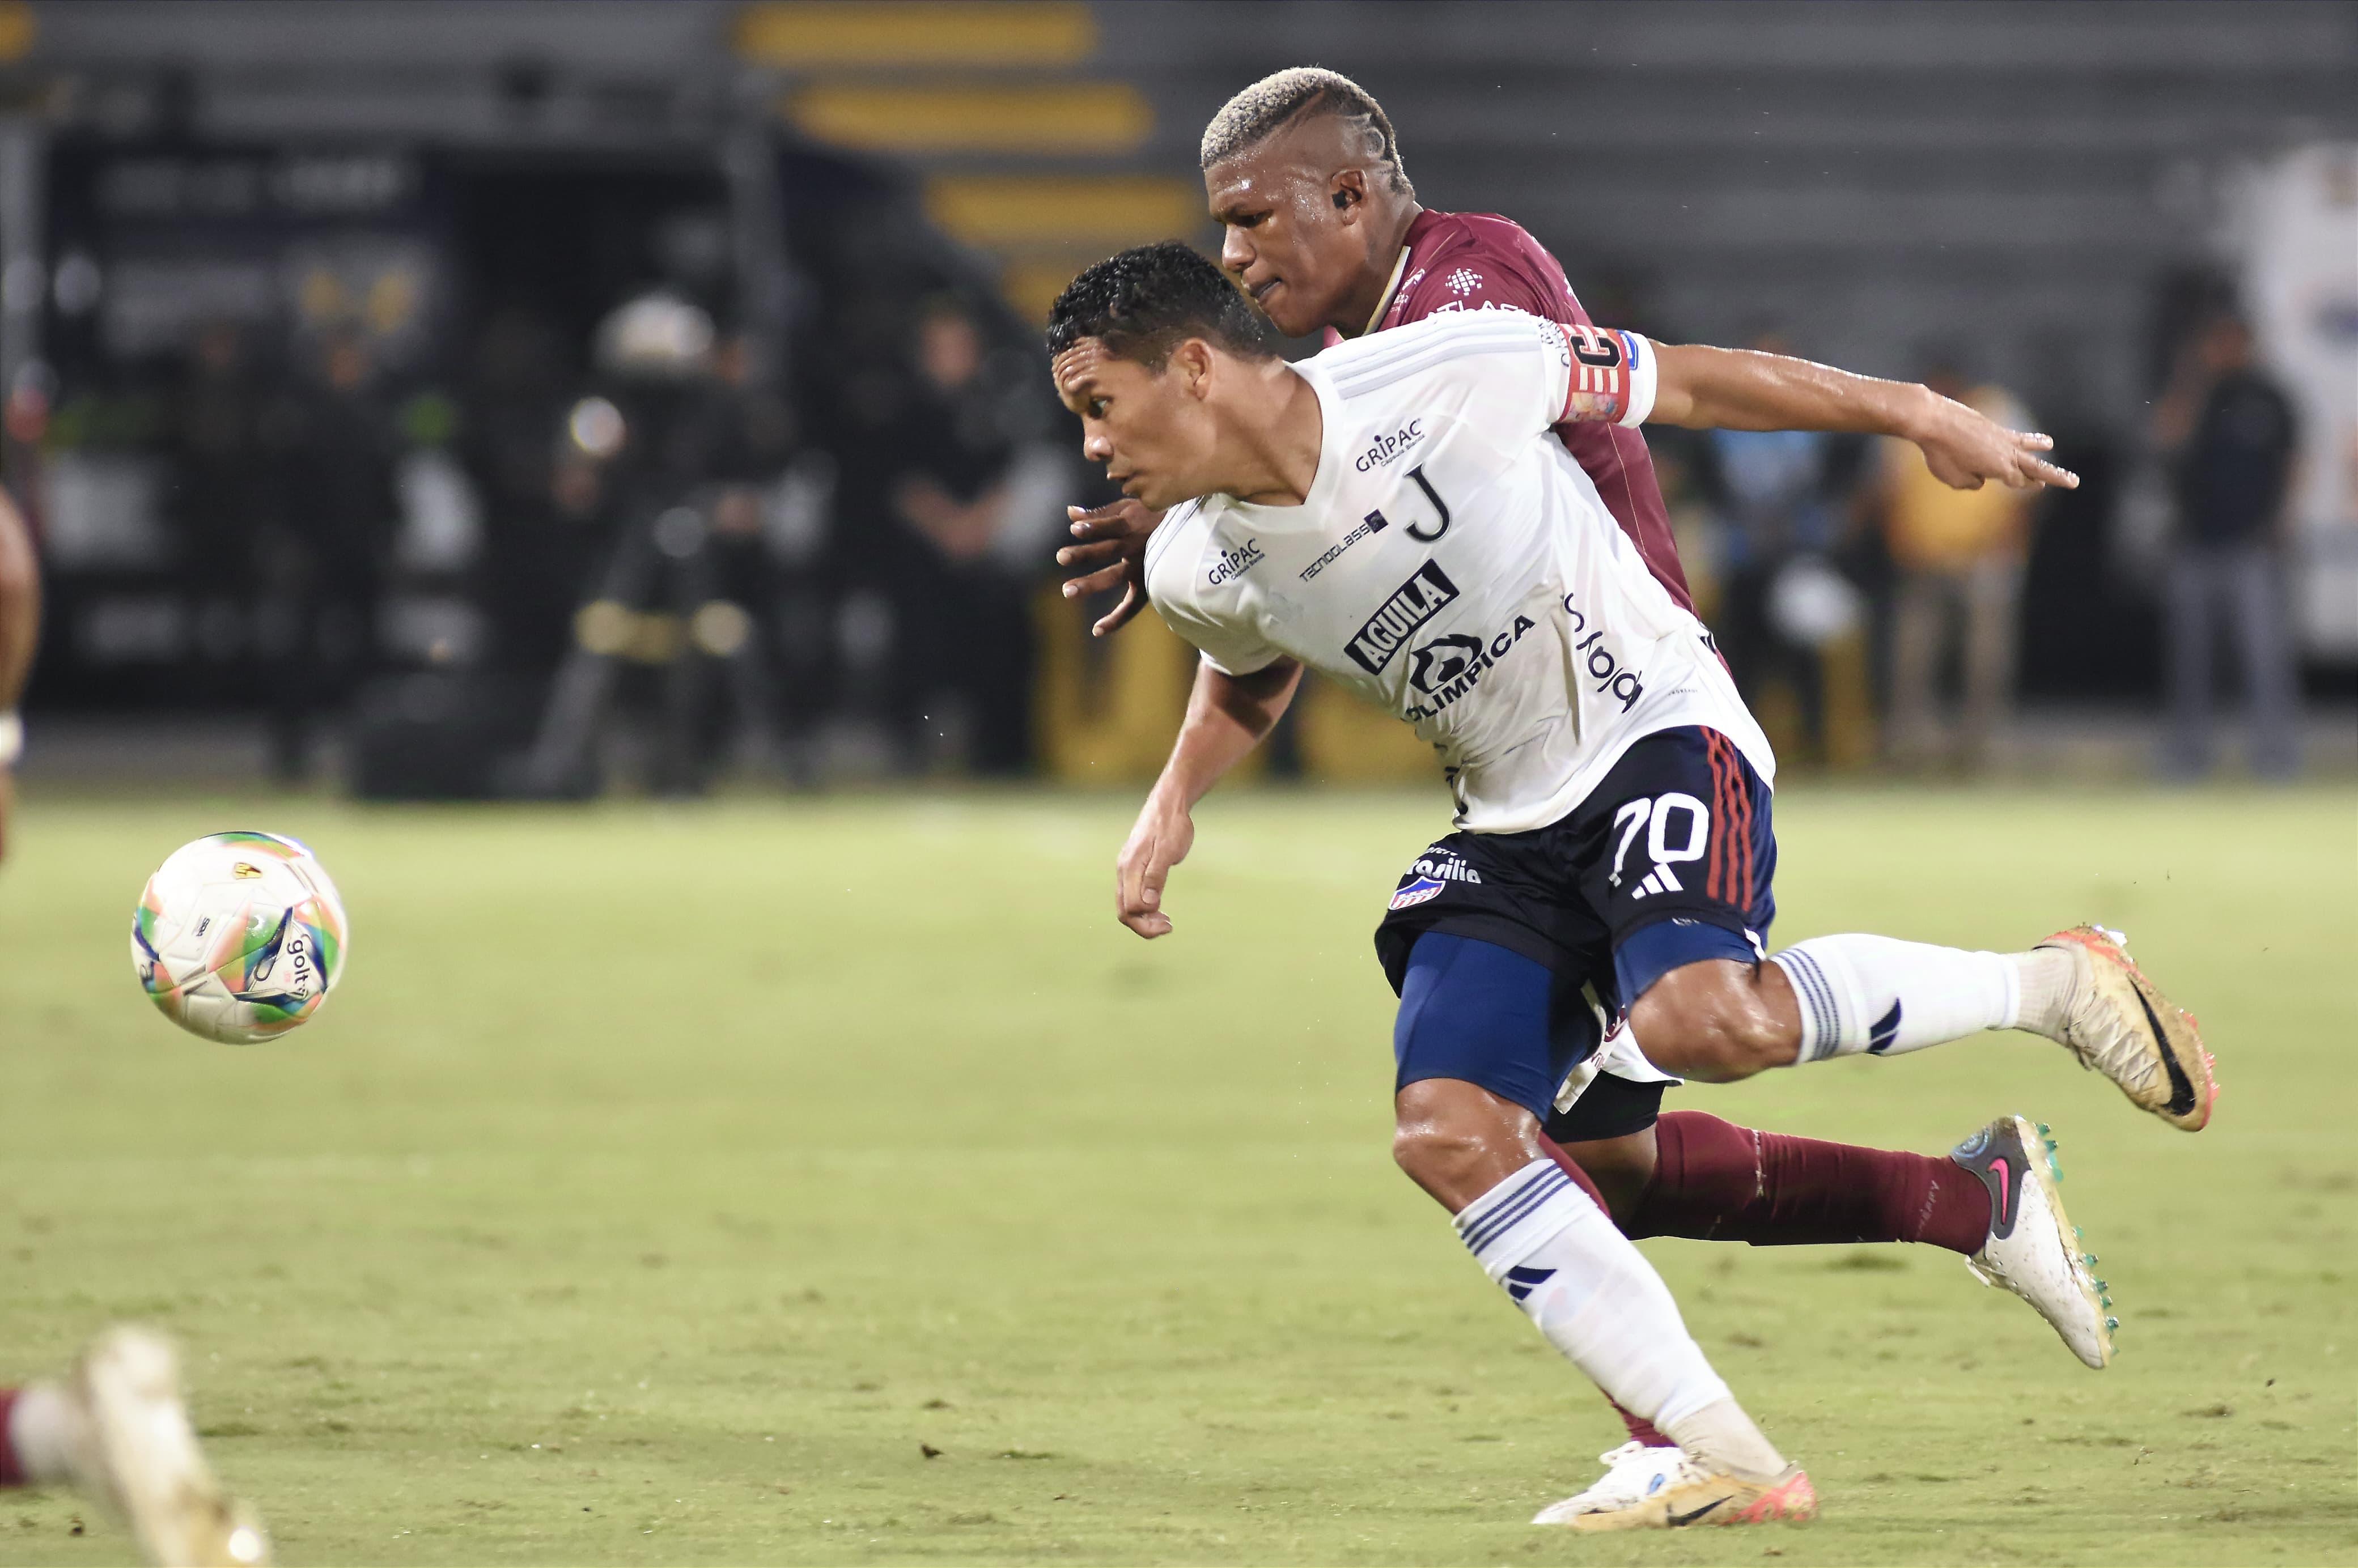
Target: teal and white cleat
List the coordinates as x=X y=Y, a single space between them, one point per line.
x=140 y=1458
x=2032 y=1249
x=1633 y=1473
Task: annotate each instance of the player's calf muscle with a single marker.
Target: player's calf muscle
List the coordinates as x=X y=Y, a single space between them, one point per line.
x=1622 y=1169
x=1718 y=1020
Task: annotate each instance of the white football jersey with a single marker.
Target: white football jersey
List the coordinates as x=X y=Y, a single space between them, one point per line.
x=1454 y=565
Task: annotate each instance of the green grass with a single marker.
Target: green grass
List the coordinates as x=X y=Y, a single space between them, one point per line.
x=662 y=1179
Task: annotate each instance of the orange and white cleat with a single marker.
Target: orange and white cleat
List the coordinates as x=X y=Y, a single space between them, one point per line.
x=2118 y=1024
x=1695 y=1496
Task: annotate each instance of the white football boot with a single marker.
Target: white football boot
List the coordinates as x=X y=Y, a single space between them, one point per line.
x=1692 y=1495
x=139 y=1456
x=2118 y=1024
x=2033 y=1248
x=1633 y=1473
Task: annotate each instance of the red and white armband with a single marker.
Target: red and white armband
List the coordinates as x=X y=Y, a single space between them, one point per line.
x=1612 y=376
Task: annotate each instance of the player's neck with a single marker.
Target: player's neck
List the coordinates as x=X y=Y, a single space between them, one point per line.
x=1276 y=431
x=1386 y=237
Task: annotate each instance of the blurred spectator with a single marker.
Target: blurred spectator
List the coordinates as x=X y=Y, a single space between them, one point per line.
x=324 y=560
x=738 y=435
x=218 y=494
x=1959 y=555
x=1772 y=490
x=536 y=548
x=2229 y=437
x=964 y=614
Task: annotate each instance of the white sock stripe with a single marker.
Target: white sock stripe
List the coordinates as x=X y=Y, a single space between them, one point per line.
x=1496 y=1219
x=1535 y=1229
x=1821 y=1019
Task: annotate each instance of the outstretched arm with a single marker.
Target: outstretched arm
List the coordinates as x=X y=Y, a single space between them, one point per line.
x=1227 y=716
x=20 y=630
x=1742 y=389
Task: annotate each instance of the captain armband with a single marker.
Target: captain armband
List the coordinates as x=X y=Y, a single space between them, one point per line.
x=1611 y=377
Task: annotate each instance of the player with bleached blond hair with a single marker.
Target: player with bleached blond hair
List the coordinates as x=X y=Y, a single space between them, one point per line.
x=1398 y=513
x=1323 y=229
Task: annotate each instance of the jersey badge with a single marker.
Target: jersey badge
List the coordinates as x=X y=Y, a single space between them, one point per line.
x=1421 y=891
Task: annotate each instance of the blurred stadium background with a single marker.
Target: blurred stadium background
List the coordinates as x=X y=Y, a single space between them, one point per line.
x=436 y=399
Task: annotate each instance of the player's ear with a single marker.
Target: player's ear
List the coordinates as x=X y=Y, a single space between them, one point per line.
x=1193 y=360
x=1349 y=191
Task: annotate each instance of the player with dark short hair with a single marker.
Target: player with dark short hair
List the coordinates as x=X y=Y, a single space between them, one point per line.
x=1323 y=229
x=1399 y=514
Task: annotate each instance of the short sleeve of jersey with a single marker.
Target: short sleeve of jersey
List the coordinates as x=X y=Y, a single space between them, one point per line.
x=1538 y=374
x=1226 y=649
x=1171 y=588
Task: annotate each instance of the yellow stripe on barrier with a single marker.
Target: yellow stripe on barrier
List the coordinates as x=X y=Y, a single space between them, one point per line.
x=1030 y=284
x=1014 y=209
x=18 y=29
x=810 y=34
x=1071 y=117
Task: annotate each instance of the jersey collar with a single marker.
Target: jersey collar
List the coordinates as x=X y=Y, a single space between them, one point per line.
x=1312 y=508
x=1399 y=265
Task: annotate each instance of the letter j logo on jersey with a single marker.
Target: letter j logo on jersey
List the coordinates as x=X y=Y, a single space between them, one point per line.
x=1418 y=892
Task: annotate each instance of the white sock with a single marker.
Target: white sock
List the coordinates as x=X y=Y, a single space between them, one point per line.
x=1725 y=1439
x=1590 y=1293
x=1886 y=996
x=2045 y=976
x=45 y=1431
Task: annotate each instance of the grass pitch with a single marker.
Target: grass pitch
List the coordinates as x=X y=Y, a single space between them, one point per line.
x=835 y=1182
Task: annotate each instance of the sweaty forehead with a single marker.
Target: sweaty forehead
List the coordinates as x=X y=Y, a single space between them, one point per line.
x=1305 y=152
x=1076 y=364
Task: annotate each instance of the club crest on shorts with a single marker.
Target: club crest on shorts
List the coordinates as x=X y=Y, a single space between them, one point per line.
x=1418 y=892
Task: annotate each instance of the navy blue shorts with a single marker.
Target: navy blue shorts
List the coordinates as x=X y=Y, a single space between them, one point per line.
x=1667 y=861
x=1473 y=1010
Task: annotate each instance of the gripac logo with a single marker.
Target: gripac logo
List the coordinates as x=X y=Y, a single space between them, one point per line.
x=1234 y=564
x=1410 y=605
x=1382 y=449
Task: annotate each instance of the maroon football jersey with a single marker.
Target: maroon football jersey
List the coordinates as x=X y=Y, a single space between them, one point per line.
x=1479 y=261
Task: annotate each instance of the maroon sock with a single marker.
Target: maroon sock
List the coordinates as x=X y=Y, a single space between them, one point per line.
x=1641 y=1429
x=12 y=1474
x=1716 y=1182
x=1580 y=1178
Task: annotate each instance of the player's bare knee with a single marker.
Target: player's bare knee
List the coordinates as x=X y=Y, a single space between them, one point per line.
x=1456 y=1141
x=1711 y=1022
x=1435 y=1156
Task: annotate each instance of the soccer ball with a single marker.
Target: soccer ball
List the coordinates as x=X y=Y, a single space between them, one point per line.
x=239 y=937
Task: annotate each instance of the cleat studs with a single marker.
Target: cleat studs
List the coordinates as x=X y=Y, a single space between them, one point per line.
x=2112 y=1323
x=2043 y=1128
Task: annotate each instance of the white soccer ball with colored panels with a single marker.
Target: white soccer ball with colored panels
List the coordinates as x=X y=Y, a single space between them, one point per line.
x=239 y=937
